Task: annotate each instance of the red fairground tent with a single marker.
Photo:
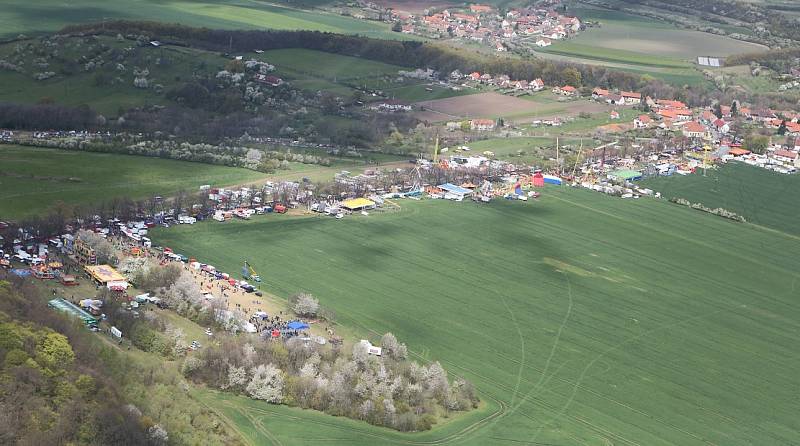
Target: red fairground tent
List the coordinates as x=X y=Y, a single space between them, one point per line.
x=538 y=179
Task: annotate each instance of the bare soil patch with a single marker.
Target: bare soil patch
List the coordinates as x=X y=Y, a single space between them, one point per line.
x=494 y=105
x=483 y=105
x=414 y=6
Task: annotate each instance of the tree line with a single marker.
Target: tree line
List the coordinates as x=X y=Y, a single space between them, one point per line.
x=15 y=116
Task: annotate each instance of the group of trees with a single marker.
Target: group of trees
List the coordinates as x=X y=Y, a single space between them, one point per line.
x=389 y=390
x=52 y=381
x=61 y=384
x=779 y=60
x=104 y=250
x=46 y=116
x=763 y=19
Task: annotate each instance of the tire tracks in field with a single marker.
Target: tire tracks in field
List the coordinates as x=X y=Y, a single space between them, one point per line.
x=536 y=388
x=521 y=347
x=264 y=413
x=616 y=347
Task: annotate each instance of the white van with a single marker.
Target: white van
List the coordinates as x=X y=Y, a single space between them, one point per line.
x=186 y=220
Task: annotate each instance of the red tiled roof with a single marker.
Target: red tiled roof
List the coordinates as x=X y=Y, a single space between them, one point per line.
x=694 y=127
x=786 y=154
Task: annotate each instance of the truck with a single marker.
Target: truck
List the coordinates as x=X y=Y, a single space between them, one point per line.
x=279 y=208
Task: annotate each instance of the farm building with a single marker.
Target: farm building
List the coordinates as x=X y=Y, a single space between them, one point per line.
x=453 y=192
x=357 y=204
x=482 y=124
x=107 y=276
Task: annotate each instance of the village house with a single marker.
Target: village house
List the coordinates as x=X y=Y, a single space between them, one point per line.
x=452 y=126
x=668 y=104
x=543 y=42
x=763 y=115
x=642 y=122
x=675 y=114
x=566 y=90
x=707 y=116
x=694 y=129
x=482 y=125
x=599 y=93
x=614 y=114
x=631 y=98
x=571 y=23
x=615 y=99
x=537 y=85
x=792 y=128
x=721 y=126
x=272 y=81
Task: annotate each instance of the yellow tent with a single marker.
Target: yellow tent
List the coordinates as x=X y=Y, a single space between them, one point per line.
x=104 y=274
x=358 y=203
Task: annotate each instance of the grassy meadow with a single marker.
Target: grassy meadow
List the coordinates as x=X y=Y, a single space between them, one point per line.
x=653 y=38
x=18 y=16
x=342 y=75
x=642 y=45
x=582 y=319
x=762 y=197
x=33 y=179
x=525 y=149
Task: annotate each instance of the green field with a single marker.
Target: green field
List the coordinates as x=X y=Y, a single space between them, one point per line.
x=524 y=149
x=760 y=196
x=651 y=37
x=582 y=319
x=419 y=92
x=342 y=75
x=32 y=179
x=642 y=45
x=19 y=16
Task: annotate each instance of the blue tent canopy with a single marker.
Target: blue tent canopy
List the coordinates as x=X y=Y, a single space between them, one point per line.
x=452 y=188
x=297 y=325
